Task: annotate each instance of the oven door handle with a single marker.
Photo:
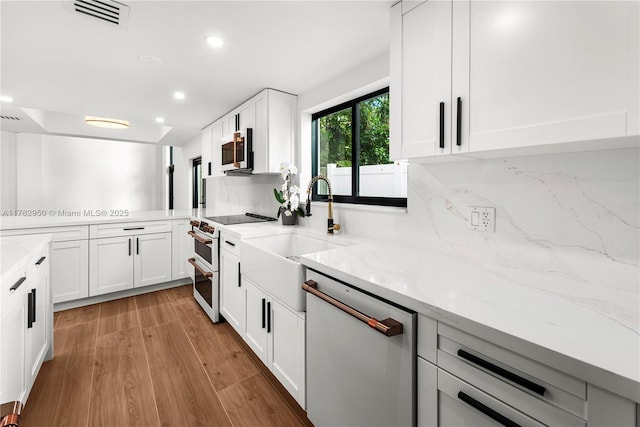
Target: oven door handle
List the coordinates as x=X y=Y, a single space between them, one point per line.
x=388 y=327
x=192 y=261
x=199 y=239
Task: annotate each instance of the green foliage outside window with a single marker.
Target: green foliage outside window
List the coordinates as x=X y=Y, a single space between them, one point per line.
x=336 y=138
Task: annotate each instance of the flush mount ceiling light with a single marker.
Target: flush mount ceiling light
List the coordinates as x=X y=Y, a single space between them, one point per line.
x=178 y=95
x=159 y=119
x=214 y=41
x=5 y=98
x=103 y=122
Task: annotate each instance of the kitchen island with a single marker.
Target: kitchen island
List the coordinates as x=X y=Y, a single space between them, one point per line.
x=582 y=328
x=26 y=315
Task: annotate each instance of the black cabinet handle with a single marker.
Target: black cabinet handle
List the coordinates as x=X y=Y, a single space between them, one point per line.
x=239 y=276
x=229 y=243
x=30 y=306
x=269 y=317
x=209 y=168
x=41 y=260
x=133 y=228
x=503 y=372
x=18 y=283
x=34 y=311
x=264 y=321
x=137 y=246
x=129 y=247
x=442 y=125
x=486 y=410
x=459 y=123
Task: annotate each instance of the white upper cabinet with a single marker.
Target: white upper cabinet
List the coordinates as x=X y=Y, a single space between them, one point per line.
x=511 y=74
x=271 y=115
x=274 y=130
x=207 y=153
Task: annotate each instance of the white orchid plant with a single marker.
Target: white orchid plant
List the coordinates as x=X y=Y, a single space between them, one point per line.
x=289 y=194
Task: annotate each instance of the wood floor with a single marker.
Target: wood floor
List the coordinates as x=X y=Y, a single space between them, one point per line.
x=153 y=360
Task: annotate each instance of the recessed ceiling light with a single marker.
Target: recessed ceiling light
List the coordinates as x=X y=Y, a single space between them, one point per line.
x=159 y=119
x=5 y=98
x=104 y=122
x=214 y=41
x=178 y=95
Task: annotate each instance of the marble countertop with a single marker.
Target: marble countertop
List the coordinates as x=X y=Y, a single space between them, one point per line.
x=16 y=252
x=588 y=330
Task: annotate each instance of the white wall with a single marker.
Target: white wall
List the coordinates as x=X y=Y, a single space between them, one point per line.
x=183 y=161
x=55 y=172
x=8 y=173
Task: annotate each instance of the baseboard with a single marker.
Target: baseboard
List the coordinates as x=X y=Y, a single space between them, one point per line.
x=122 y=294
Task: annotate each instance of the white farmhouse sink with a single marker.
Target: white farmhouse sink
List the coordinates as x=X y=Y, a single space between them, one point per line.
x=272 y=262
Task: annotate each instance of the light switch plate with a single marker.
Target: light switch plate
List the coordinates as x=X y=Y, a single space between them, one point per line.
x=482 y=219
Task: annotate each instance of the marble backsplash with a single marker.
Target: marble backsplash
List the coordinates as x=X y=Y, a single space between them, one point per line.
x=575 y=215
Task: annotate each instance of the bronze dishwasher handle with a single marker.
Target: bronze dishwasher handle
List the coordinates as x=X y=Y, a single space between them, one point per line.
x=388 y=327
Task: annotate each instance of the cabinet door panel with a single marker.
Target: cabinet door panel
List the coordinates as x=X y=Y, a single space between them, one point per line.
x=36 y=339
x=286 y=353
x=232 y=298
x=255 y=335
x=70 y=270
x=12 y=351
x=216 y=150
x=152 y=259
x=205 y=146
x=545 y=72
x=111 y=265
x=426 y=79
x=182 y=248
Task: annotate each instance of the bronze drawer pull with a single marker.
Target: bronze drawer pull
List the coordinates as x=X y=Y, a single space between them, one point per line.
x=388 y=327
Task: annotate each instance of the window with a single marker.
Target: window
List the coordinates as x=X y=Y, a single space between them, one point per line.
x=351 y=148
x=199 y=189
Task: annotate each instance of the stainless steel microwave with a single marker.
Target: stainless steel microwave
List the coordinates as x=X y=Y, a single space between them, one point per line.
x=237 y=154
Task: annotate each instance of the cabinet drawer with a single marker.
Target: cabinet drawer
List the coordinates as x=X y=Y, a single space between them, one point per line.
x=128 y=228
x=513 y=378
x=462 y=405
x=60 y=234
x=427 y=338
x=230 y=243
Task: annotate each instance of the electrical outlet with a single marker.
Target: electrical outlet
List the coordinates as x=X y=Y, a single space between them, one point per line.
x=482 y=219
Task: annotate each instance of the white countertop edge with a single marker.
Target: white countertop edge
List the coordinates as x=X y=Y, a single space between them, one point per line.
x=17 y=223
x=542 y=352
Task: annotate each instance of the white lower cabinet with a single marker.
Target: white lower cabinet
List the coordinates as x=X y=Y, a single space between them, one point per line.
x=182 y=247
x=119 y=263
x=277 y=335
x=462 y=405
x=481 y=383
x=37 y=340
x=232 y=293
x=26 y=319
x=70 y=270
x=12 y=352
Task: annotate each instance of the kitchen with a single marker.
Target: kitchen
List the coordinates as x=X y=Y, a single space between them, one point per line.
x=508 y=251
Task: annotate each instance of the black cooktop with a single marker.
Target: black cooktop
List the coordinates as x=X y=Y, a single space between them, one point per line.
x=239 y=219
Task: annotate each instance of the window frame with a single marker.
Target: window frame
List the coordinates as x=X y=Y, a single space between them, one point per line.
x=355 y=155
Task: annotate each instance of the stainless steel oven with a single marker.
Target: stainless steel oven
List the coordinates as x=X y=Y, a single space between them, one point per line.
x=206 y=283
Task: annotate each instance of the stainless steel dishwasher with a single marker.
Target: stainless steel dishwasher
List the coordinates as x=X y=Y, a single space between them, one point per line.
x=360 y=371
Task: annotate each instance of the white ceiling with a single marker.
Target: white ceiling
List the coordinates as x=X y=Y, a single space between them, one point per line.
x=59 y=65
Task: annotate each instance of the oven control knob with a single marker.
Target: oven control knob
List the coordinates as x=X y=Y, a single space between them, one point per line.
x=195 y=223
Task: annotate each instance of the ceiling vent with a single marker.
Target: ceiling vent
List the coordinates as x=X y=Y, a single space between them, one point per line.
x=107 y=11
x=10 y=117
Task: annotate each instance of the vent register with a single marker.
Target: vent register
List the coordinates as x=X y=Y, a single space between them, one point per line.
x=3 y=117
x=107 y=11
